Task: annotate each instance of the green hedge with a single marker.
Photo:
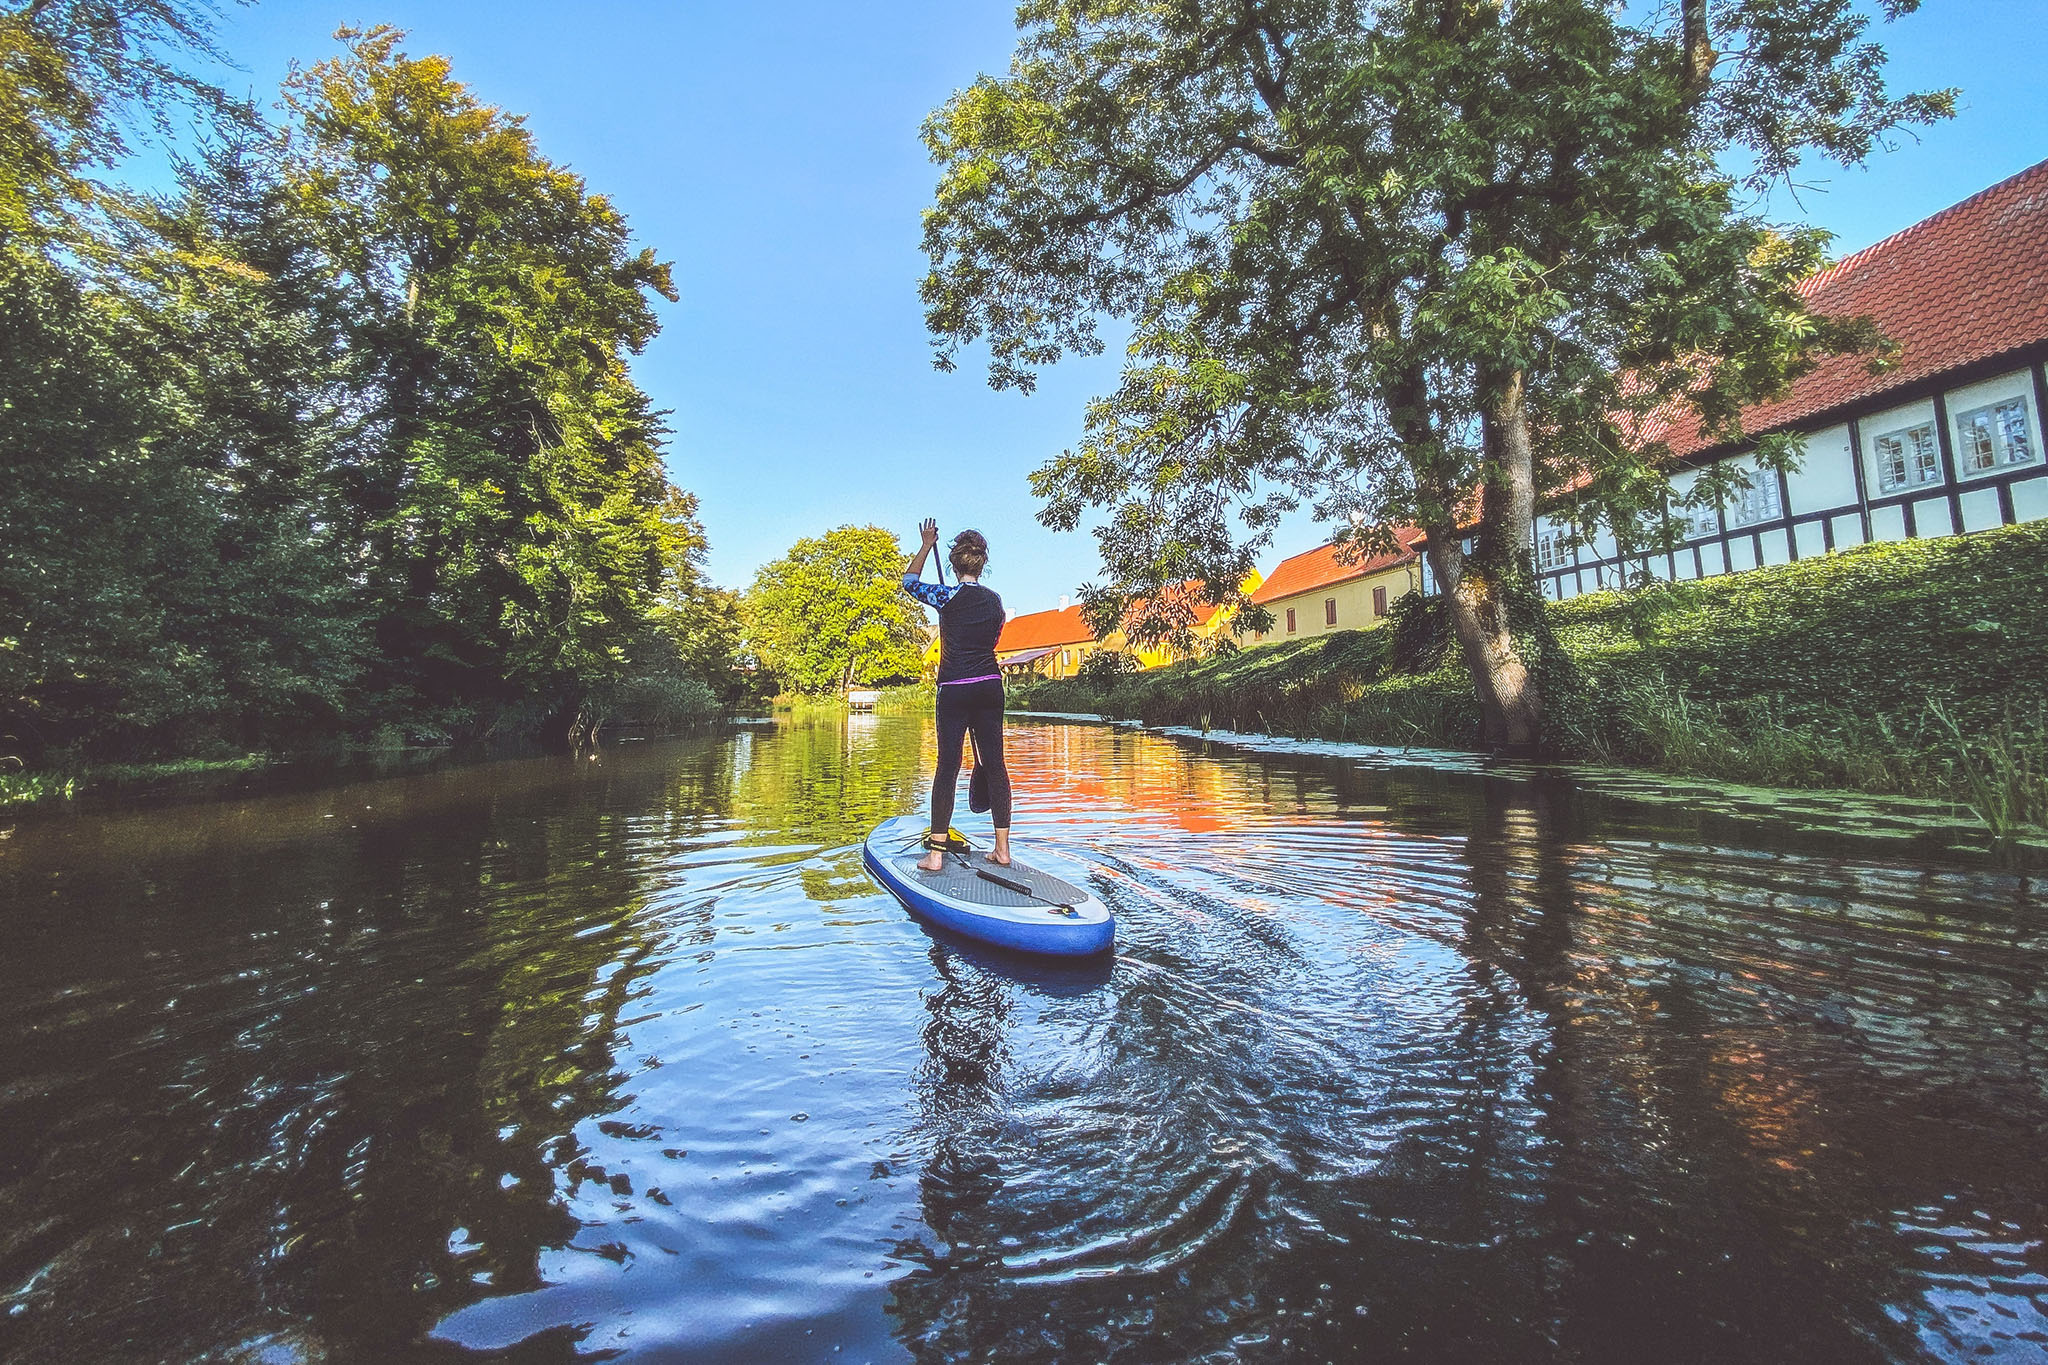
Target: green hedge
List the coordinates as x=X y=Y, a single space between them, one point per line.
x=1875 y=631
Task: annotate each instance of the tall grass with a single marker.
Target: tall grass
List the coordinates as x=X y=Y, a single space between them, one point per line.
x=2001 y=773
x=907 y=700
x=1632 y=718
x=1646 y=721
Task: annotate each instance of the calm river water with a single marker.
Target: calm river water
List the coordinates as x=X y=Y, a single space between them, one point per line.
x=544 y=1061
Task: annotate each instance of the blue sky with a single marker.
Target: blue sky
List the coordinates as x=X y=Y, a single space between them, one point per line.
x=771 y=152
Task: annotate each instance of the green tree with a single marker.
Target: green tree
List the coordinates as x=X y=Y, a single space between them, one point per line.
x=508 y=487
x=688 y=660
x=1389 y=258
x=169 y=560
x=832 y=614
x=242 y=333
x=156 y=590
x=710 y=637
x=700 y=620
x=338 y=435
x=90 y=528
x=74 y=76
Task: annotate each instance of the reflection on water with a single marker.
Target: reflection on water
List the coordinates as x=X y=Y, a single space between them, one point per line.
x=545 y=1061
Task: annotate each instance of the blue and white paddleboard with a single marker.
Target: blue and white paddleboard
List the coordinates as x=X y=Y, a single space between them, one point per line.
x=1021 y=907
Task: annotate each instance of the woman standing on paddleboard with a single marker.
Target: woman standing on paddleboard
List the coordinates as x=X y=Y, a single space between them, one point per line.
x=970 y=684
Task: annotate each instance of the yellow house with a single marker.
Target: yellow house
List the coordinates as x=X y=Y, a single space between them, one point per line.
x=1053 y=644
x=1316 y=592
x=1210 y=622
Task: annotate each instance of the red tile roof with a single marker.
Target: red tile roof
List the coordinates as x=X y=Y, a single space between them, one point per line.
x=1044 y=629
x=1968 y=284
x=1321 y=567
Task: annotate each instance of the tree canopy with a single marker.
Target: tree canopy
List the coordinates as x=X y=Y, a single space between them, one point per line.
x=339 y=436
x=507 y=479
x=1406 y=261
x=832 y=614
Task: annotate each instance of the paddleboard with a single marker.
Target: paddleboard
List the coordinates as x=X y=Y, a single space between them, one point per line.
x=1021 y=907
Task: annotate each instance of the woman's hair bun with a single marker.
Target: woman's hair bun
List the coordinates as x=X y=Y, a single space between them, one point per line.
x=969 y=553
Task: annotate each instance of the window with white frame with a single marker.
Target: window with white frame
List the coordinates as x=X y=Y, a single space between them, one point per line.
x=1994 y=436
x=1553 y=547
x=1907 y=458
x=1696 y=522
x=1757 y=503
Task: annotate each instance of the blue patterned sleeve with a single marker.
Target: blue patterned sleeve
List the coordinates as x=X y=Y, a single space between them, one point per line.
x=931 y=594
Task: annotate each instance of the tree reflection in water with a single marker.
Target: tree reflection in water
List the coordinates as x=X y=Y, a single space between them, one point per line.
x=308 y=1042
x=545 y=1061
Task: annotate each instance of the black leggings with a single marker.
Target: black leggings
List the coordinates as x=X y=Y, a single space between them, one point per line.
x=976 y=706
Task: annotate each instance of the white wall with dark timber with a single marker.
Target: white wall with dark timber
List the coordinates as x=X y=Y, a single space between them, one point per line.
x=1962 y=453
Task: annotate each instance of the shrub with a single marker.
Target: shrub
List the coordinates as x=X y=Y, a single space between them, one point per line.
x=1104 y=664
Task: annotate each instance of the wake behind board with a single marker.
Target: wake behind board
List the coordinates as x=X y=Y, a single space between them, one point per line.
x=1021 y=907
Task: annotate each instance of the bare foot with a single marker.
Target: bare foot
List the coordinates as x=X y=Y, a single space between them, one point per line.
x=934 y=861
x=1001 y=857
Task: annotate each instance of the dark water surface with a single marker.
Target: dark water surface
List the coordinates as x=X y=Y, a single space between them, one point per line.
x=546 y=1060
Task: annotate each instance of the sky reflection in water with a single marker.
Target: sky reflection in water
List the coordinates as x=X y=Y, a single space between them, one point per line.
x=541 y=1061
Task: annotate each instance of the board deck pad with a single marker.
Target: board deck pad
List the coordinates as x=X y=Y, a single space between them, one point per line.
x=960 y=882
x=1057 y=916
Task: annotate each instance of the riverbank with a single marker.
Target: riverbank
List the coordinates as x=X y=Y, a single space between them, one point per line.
x=1909 y=668
x=909 y=700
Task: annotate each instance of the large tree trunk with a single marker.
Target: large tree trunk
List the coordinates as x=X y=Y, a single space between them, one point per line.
x=1477 y=589
x=1510 y=702
x=1698 y=44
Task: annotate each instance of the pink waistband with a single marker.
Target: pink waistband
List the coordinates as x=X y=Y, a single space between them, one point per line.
x=962 y=682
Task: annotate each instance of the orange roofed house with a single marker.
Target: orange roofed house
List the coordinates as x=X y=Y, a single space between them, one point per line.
x=1052 y=644
x=1947 y=440
x=1049 y=643
x=1317 y=591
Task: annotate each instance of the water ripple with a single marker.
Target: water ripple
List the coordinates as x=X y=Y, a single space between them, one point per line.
x=548 y=1061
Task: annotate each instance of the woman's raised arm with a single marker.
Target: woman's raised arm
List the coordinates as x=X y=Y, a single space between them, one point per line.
x=928 y=540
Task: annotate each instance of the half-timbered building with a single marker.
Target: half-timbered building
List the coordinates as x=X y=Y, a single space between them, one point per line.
x=1945 y=440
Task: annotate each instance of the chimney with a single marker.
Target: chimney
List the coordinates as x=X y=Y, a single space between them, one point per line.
x=1063 y=601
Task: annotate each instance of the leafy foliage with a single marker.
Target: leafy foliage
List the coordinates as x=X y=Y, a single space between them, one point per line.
x=1405 y=262
x=508 y=487
x=74 y=76
x=339 y=437
x=1104 y=664
x=831 y=614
